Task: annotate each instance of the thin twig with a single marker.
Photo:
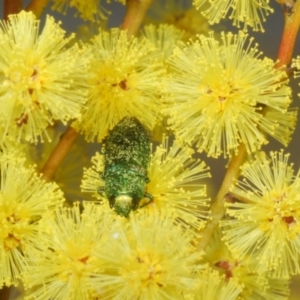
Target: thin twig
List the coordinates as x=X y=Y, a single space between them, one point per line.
x=217 y=207
x=60 y=152
x=135 y=14
x=291 y=12
x=4 y=293
x=37 y=7
x=11 y=7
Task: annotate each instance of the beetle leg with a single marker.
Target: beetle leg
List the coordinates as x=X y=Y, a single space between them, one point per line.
x=101 y=190
x=148 y=196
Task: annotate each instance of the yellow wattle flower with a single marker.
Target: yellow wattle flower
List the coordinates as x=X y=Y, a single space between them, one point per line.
x=249 y=12
x=147 y=257
x=265 y=221
x=241 y=270
x=42 y=79
x=24 y=200
x=60 y=268
x=222 y=94
x=176 y=184
x=125 y=80
x=211 y=285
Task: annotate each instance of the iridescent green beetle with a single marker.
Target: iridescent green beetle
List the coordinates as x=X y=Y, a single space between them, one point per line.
x=126 y=160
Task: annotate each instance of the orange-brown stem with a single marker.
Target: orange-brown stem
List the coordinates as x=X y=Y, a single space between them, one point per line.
x=37 y=7
x=291 y=27
x=12 y=7
x=60 y=152
x=135 y=14
x=217 y=207
x=4 y=293
x=285 y=3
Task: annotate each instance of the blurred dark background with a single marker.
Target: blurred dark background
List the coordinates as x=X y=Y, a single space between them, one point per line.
x=268 y=43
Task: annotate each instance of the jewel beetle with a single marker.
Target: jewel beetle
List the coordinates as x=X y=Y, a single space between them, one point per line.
x=126 y=161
